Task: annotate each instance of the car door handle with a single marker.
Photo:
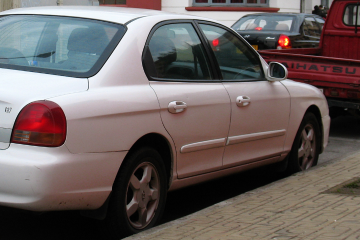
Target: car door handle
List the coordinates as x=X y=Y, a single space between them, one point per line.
x=242 y=101
x=176 y=106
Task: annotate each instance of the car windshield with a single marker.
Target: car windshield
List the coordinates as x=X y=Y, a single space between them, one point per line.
x=56 y=45
x=264 y=23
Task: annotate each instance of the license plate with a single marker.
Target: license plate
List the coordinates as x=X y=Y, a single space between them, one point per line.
x=256 y=47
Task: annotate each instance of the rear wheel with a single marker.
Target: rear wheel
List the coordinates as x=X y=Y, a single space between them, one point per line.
x=139 y=194
x=306 y=147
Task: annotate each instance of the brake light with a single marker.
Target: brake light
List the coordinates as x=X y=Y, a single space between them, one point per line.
x=215 y=42
x=284 y=42
x=40 y=123
x=258 y=28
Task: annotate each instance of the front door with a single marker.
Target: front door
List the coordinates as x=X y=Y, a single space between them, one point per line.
x=259 y=109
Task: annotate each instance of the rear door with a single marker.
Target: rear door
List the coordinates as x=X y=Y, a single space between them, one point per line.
x=260 y=109
x=195 y=109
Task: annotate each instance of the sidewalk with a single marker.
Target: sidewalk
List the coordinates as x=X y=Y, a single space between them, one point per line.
x=291 y=208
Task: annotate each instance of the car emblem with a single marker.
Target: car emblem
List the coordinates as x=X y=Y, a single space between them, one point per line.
x=8 y=109
x=246 y=36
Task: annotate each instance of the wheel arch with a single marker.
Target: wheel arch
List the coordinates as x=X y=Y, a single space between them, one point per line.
x=162 y=146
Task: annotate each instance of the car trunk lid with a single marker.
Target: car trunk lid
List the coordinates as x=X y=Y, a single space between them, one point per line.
x=262 y=40
x=19 y=88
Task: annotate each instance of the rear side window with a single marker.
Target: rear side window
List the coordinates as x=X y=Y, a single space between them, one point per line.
x=264 y=23
x=56 y=45
x=351 y=13
x=311 y=28
x=177 y=54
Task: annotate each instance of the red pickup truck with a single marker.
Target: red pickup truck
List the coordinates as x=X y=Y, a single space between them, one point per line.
x=334 y=67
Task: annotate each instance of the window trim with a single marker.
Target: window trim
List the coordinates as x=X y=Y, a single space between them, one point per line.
x=101 y=3
x=232 y=9
x=229 y=4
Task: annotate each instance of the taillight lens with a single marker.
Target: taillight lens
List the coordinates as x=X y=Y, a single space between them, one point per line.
x=284 y=42
x=40 y=123
x=215 y=42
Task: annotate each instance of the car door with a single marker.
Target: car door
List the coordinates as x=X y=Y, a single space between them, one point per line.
x=259 y=108
x=194 y=108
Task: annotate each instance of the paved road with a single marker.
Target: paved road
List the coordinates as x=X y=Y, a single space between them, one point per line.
x=345 y=139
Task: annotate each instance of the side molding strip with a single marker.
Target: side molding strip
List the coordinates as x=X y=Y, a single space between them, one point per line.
x=203 y=145
x=255 y=136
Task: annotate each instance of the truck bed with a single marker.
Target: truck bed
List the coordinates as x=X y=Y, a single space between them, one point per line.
x=338 y=78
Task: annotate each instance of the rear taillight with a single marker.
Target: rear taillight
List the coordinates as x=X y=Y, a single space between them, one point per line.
x=284 y=42
x=40 y=123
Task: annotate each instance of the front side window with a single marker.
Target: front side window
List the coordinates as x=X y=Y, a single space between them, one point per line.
x=237 y=60
x=237 y=3
x=56 y=45
x=351 y=14
x=265 y=22
x=177 y=54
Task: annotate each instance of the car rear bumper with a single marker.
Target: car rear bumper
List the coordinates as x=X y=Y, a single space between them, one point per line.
x=46 y=179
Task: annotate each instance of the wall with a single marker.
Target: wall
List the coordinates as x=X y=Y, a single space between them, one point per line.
x=6 y=4
x=226 y=17
x=9 y=4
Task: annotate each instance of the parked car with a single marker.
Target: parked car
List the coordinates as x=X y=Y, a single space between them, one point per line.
x=280 y=30
x=101 y=117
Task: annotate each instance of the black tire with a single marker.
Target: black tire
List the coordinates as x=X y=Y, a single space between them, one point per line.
x=138 y=191
x=306 y=147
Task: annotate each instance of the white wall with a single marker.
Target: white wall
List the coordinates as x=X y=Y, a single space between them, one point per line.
x=227 y=18
x=35 y=3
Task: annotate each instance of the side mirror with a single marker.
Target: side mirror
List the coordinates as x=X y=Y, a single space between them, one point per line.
x=276 y=72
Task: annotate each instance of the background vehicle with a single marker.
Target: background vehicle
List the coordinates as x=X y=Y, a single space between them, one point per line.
x=101 y=117
x=280 y=30
x=334 y=67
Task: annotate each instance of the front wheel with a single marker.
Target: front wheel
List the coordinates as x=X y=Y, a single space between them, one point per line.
x=139 y=194
x=306 y=147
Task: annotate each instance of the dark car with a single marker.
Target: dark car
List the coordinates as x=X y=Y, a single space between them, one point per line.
x=280 y=30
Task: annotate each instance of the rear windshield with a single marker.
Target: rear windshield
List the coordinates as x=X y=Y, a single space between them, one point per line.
x=351 y=14
x=264 y=23
x=56 y=45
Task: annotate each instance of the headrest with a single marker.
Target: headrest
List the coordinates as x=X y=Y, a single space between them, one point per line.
x=88 y=40
x=162 y=48
x=282 y=27
x=251 y=26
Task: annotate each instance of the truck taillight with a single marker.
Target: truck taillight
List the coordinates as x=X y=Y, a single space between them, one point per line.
x=40 y=123
x=284 y=42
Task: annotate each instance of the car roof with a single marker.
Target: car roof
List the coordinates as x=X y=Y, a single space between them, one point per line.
x=120 y=15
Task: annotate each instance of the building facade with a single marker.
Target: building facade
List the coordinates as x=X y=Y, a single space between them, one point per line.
x=225 y=11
